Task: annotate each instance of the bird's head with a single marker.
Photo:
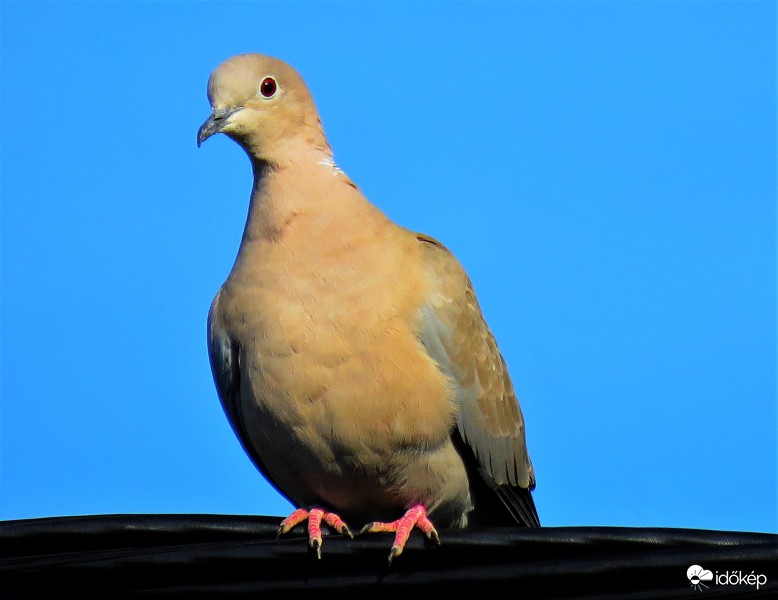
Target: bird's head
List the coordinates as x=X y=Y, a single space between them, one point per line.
x=263 y=104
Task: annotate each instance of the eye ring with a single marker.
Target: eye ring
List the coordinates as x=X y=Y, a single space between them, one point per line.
x=268 y=87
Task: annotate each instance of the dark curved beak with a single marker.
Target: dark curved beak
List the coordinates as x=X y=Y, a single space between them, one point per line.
x=215 y=123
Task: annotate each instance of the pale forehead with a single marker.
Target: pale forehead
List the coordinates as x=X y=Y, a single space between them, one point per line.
x=237 y=79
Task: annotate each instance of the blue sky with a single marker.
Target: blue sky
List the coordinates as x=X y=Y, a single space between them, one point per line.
x=606 y=172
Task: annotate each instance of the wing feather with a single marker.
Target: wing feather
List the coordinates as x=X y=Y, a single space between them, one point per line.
x=225 y=357
x=488 y=418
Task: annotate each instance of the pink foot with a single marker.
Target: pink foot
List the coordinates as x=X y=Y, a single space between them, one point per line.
x=416 y=516
x=314 y=517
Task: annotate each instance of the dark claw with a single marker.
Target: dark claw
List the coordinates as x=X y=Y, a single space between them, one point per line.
x=346 y=531
x=316 y=545
x=366 y=528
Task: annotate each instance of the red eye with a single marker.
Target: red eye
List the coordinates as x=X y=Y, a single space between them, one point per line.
x=268 y=87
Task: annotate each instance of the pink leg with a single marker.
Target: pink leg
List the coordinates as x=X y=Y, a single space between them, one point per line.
x=416 y=516
x=314 y=516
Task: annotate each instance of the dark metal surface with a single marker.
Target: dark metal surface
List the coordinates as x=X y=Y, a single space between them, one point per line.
x=113 y=556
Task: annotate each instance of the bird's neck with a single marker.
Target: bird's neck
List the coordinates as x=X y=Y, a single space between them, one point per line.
x=309 y=188
x=291 y=143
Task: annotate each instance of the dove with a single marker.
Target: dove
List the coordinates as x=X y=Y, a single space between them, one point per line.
x=349 y=353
